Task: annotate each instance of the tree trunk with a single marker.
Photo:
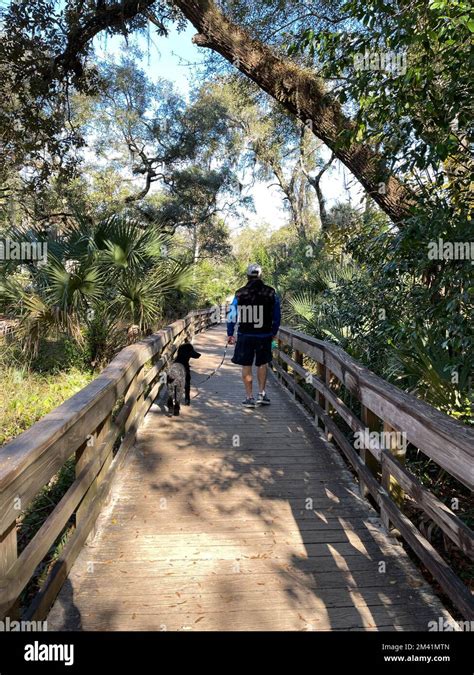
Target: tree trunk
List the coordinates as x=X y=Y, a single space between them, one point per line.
x=315 y=182
x=196 y=246
x=323 y=214
x=288 y=189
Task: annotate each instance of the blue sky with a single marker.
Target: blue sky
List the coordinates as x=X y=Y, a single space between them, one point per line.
x=177 y=59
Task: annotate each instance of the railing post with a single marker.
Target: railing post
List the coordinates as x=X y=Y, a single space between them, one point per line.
x=397 y=448
x=320 y=399
x=298 y=358
x=327 y=405
x=372 y=423
x=189 y=331
x=134 y=392
x=281 y=363
x=8 y=555
x=83 y=456
x=385 y=484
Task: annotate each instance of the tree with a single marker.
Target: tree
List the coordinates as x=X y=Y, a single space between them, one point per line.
x=410 y=64
x=285 y=153
x=296 y=87
x=175 y=158
x=113 y=266
x=274 y=146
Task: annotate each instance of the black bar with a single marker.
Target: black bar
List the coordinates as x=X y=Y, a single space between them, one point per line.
x=315 y=652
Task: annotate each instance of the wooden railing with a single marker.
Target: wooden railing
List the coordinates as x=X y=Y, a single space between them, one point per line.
x=89 y=427
x=319 y=374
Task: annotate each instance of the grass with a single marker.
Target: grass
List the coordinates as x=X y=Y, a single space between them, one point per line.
x=26 y=396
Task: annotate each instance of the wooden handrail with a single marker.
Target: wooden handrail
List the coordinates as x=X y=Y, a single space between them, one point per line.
x=85 y=426
x=441 y=438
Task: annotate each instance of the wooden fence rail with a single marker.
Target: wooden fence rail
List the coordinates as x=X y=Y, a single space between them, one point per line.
x=89 y=427
x=328 y=370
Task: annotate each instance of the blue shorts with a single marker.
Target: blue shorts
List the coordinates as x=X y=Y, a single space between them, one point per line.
x=250 y=347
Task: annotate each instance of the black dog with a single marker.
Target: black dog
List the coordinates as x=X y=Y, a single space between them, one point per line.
x=179 y=377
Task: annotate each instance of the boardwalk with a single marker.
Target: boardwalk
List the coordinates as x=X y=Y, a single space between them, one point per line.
x=235 y=519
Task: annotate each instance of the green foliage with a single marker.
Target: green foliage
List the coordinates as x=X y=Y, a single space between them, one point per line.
x=428 y=371
x=27 y=396
x=428 y=91
x=114 y=264
x=419 y=116
x=352 y=290
x=58 y=356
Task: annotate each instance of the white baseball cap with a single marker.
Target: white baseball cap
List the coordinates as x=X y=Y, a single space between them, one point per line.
x=254 y=270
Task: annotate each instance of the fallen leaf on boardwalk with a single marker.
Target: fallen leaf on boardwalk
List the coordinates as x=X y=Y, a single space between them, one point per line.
x=414 y=583
x=200 y=619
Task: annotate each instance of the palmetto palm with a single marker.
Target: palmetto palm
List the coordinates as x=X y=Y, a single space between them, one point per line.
x=138 y=268
x=426 y=369
x=54 y=300
x=115 y=263
x=313 y=310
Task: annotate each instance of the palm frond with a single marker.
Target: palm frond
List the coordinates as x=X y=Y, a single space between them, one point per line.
x=426 y=370
x=333 y=274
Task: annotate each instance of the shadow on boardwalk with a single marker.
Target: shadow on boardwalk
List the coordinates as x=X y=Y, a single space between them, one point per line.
x=235 y=519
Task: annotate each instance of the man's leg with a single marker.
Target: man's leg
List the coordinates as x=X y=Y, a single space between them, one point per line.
x=262 y=378
x=263 y=358
x=247 y=380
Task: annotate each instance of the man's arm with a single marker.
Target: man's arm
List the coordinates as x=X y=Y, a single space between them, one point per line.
x=232 y=318
x=276 y=316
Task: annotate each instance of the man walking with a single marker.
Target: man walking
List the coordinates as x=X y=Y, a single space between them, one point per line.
x=256 y=309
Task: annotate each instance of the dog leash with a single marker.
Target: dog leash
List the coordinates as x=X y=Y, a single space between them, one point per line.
x=213 y=372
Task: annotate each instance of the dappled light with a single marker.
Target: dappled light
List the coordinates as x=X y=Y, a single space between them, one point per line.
x=208 y=532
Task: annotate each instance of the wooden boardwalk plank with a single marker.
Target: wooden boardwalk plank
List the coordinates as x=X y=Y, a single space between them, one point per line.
x=235 y=519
